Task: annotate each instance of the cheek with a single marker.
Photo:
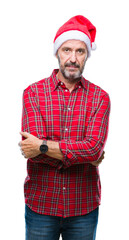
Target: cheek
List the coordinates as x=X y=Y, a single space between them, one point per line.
x=63 y=58
x=82 y=62
x=64 y=61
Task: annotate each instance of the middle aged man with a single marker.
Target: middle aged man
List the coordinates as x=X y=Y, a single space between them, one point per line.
x=64 y=129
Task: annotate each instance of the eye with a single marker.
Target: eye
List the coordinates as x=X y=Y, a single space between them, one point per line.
x=80 y=51
x=66 y=49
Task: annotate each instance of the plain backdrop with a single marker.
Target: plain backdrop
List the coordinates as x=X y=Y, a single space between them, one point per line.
x=27 y=30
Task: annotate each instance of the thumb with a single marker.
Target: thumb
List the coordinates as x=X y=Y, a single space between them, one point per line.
x=25 y=134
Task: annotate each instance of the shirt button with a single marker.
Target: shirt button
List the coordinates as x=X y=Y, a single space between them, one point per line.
x=66 y=90
x=79 y=86
x=66 y=129
x=69 y=109
x=64 y=188
x=61 y=83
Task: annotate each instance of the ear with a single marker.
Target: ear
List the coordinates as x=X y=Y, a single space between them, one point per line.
x=56 y=54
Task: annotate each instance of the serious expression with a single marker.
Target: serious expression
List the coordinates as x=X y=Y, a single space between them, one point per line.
x=72 y=56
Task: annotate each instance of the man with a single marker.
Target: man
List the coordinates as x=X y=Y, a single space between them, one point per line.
x=64 y=129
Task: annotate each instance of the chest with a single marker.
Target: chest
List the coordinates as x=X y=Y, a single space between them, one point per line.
x=66 y=115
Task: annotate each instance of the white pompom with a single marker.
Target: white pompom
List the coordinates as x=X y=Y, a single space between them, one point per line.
x=94 y=46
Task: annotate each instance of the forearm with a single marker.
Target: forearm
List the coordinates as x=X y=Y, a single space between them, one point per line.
x=80 y=152
x=54 y=150
x=54 y=157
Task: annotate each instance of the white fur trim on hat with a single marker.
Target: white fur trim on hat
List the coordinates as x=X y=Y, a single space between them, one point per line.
x=93 y=46
x=69 y=35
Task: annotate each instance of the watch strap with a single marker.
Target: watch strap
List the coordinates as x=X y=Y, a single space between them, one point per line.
x=44 y=142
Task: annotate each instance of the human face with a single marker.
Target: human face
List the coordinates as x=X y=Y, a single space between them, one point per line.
x=72 y=56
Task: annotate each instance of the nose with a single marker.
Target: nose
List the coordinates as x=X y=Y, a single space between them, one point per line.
x=73 y=57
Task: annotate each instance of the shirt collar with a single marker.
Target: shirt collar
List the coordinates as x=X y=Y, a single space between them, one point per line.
x=84 y=82
x=55 y=82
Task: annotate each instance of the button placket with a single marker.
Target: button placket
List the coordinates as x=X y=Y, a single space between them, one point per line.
x=68 y=112
x=66 y=90
x=66 y=99
x=64 y=189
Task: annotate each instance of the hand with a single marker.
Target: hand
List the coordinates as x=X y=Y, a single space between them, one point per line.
x=96 y=164
x=30 y=146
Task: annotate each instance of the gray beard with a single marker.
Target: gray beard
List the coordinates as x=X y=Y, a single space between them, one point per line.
x=67 y=75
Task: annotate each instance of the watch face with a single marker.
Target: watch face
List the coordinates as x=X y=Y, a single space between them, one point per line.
x=43 y=148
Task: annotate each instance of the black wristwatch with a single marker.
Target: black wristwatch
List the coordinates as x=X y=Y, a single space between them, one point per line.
x=43 y=147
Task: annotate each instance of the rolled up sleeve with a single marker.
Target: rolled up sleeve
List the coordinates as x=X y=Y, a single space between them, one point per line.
x=91 y=148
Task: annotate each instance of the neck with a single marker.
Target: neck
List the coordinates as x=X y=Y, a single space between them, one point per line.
x=70 y=84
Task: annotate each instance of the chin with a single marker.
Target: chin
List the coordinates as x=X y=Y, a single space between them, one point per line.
x=71 y=76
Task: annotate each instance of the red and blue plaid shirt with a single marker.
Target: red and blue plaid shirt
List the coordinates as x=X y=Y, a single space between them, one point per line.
x=79 y=122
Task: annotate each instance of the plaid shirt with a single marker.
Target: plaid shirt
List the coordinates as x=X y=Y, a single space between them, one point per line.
x=79 y=122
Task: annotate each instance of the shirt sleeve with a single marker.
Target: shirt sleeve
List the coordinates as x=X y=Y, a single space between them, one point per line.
x=32 y=122
x=91 y=148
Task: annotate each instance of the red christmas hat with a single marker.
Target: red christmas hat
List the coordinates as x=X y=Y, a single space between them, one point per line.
x=78 y=28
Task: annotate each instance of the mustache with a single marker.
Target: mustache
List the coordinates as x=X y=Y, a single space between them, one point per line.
x=72 y=64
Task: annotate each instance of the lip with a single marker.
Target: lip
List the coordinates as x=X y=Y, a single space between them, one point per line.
x=72 y=67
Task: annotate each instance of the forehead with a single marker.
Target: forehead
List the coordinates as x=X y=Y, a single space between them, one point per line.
x=74 y=44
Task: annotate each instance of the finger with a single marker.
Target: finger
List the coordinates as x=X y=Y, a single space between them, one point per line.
x=25 y=134
x=95 y=164
x=103 y=153
x=24 y=143
x=22 y=153
x=101 y=158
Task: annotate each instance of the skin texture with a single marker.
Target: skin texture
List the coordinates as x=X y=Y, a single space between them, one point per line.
x=72 y=56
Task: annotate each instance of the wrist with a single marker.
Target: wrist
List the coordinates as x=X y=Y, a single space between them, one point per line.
x=54 y=150
x=52 y=145
x=43 y=146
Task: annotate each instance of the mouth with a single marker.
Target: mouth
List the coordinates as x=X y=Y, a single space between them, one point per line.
x=71 y=67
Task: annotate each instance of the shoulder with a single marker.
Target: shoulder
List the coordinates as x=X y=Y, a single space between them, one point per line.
x=95 y=91
x=37 y=87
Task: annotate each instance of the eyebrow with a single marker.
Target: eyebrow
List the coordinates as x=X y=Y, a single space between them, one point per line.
x=82 y=49
x=66 y=48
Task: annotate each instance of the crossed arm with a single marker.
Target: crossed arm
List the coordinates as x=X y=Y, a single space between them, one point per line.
x=30 y=148
x=65 y=152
